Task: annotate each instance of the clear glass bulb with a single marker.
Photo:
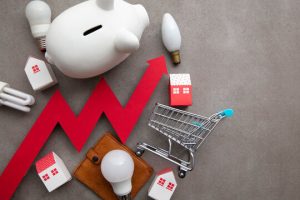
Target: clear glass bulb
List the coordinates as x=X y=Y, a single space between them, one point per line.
x=38 y=14
x=171 y=36
x=117 y=168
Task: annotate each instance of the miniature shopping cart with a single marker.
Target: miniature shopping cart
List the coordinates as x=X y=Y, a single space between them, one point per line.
x=187 y=129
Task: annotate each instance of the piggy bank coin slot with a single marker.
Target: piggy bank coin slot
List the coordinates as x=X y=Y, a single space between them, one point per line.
x=91 y=30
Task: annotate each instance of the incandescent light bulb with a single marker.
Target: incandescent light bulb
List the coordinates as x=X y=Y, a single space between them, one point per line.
x=171 y=37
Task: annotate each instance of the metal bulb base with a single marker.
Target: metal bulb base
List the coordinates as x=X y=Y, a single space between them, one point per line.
x=125 y=197
x=42 y=43
x=176 y=57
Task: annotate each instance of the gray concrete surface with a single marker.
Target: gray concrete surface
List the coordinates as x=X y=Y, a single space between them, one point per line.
x=242 y=54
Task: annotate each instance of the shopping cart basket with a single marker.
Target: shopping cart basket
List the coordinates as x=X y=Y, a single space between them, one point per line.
x=187 y=129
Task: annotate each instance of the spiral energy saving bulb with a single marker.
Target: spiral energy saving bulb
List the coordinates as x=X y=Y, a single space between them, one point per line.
x=38 y=14
x=171 y=37
x=117 y=168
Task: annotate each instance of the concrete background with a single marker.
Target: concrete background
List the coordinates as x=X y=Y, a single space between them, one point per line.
x=242 y=54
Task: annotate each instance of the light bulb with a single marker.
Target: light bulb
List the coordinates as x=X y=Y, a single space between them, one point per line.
x=15 y=98
x=117 y=168
x=171 y=37
x=38 y=14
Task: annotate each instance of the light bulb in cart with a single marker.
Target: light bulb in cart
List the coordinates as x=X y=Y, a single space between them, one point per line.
x=171 y=37
x=117 y=168
x=38 y=14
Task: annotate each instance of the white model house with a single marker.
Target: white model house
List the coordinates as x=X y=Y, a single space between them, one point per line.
x=39 y=74
x=163 y=185
x=52 y=171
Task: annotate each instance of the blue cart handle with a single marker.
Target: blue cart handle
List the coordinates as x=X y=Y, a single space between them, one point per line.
x=227 y=112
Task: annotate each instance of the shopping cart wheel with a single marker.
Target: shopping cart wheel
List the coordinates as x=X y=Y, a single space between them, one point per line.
x=181 y=173
x=139 y=152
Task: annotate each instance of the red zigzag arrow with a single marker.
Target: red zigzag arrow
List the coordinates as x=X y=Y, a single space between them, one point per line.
x=79 y=128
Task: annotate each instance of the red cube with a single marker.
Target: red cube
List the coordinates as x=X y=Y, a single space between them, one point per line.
x=180 y=90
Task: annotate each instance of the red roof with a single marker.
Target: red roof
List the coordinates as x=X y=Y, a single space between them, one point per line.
x=45 y=162
x=164 y=171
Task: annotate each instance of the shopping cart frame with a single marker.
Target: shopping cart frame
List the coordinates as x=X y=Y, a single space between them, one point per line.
x=183 y=165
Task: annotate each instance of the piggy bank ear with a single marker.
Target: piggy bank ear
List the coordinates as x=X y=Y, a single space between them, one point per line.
x=126 y=42
x=48 y=58
x=106 y=4
x=143 y=15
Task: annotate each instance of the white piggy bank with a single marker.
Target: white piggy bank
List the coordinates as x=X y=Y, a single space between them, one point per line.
x=94 y=36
